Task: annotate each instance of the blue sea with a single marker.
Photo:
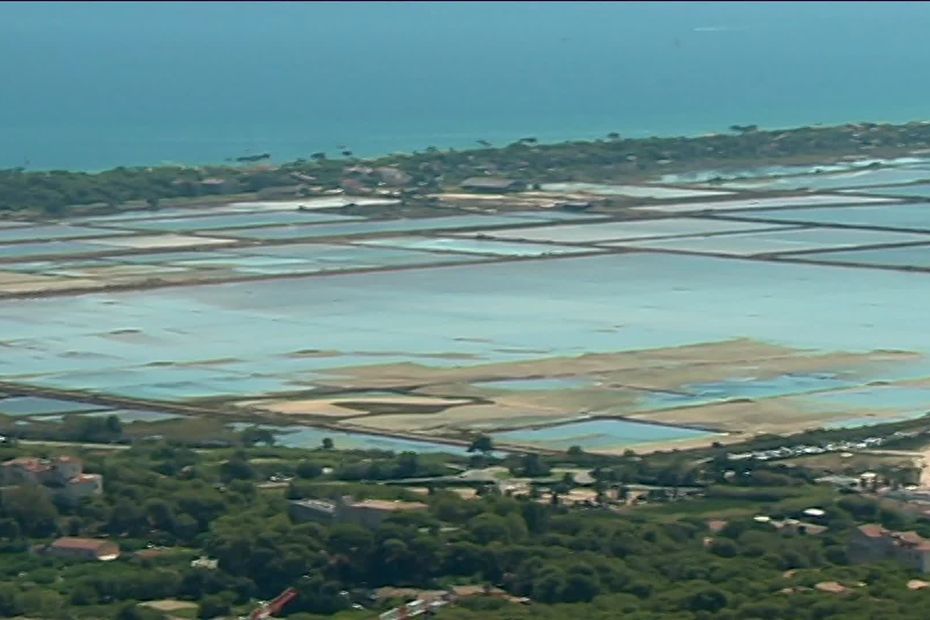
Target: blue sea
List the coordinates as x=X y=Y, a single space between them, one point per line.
x=96 y=85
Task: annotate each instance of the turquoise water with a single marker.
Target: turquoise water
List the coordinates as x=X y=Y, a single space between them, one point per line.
x=906 y=399
x=907 y=402
x=327 y=257
x=43 y=233
x=51 y=248
x=297 y=258
x=911 y=217
x=765 y=173
x=100 y=85
x=702 y=393
x=128 y=416
x=870 y=421
x=169 y=257
x=33 y=405
x=477 y=312
x=594 y=434
x=780 y=241
x=857 y=179
x=231 y=261
x=299 y=436
x=474 y=246
x=913 y=256
x=608 y=231
x=725 y=204
x=557 y=383
x=920 y=190
x=235 y=221
x=382 y=226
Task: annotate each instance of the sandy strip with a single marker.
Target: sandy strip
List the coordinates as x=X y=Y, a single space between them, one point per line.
x=146 y=242
x=653 y=368
x=349 y=406
x=468 y=417
x=763 y=203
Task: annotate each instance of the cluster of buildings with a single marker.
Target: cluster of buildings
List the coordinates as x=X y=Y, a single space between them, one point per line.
x=493 y=184
x=366 y=513
x=62 y=477
x=429 y=602
x=874 y=543
x=787 y=452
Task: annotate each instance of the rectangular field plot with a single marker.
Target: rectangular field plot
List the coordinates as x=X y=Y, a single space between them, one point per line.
x=920 y=190
x=553 y=215
x=52 y=231
x=326 y=257
x=776 y=242
x=593 y=434
x=300 y=436
x=767 y=203
x=631 y=191
x=128 y=416
x=34 y=405
x=375 y=227
x=472 y=246
x=152 y=242
x=911 y=256
x=40 y=267
x=905 y=217
x=235 y=220
x=470 y=314
x=157 y=258
x=15 y=251
x=233 y=261
x=612 y=231
x=768 y=172
x=842 y=180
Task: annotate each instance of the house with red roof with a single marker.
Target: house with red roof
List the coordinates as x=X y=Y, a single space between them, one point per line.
x=874 y=543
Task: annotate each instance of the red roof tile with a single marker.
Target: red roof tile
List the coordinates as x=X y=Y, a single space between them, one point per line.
x=84 y=544
x=872 y=530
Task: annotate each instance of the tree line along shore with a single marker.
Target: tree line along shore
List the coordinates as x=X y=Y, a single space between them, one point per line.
x=413 y=176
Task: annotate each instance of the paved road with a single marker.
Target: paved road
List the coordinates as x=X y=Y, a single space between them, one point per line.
x=73 y=444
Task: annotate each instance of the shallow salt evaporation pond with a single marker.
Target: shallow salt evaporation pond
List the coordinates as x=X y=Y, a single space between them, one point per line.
x=471 y=314
x=380 y=226
x=920 y=190
x=910 y=256
x=34 y=405
x=611 y=231
x=299 y=436
x=905 y=217
x=840 y=180
x=812 y=200
x=750 y=387
x=235 y=221
x=778 y=241
x=473 y=246
x=632 y=191
x=763 y=172
x=598 y=434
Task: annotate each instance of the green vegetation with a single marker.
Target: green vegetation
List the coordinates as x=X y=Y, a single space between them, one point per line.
x=57 y=192
x=658 y=560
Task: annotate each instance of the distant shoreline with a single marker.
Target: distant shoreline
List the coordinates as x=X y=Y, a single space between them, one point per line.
x=414 y=177
x=497 y=142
